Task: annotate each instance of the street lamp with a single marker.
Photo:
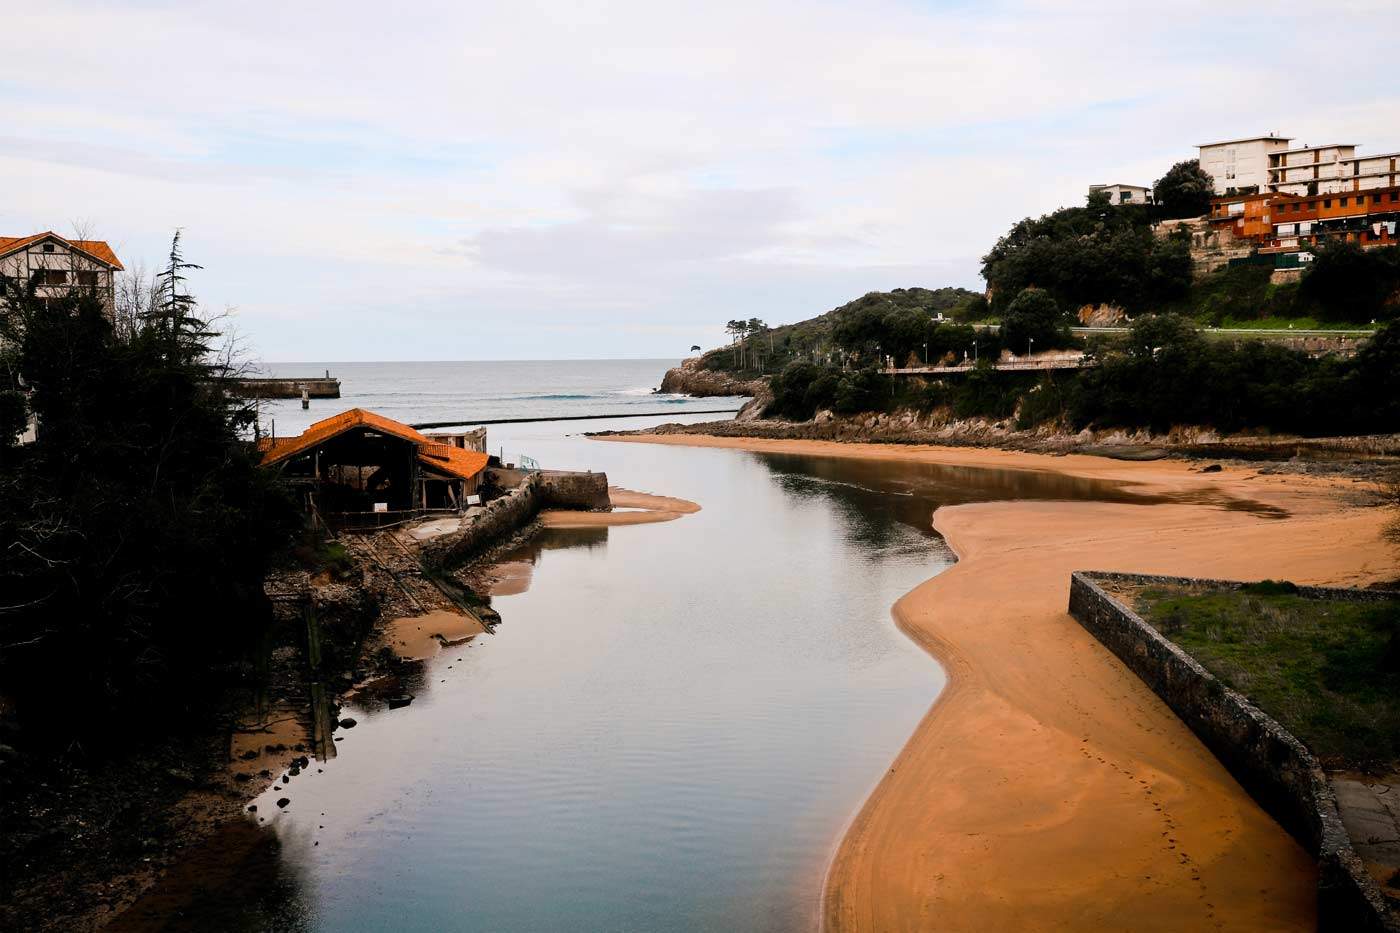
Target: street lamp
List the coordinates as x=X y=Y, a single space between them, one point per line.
x=1030 y=347
x=925 y=352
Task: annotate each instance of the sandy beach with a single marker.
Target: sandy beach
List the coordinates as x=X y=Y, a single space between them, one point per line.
x=1047 y=788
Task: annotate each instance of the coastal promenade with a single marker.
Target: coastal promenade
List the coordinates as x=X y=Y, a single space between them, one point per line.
x=1029 y=364
x=1048 y=788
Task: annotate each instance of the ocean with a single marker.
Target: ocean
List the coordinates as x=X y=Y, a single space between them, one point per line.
x=449 y=391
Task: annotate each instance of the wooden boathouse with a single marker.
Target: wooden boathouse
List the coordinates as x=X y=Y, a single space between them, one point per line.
x=361 y=469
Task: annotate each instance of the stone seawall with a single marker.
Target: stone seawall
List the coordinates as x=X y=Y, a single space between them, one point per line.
x=1269 y=762
x=286 y=388
x=501 y=517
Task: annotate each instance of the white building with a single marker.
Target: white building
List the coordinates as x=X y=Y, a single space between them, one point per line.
x=1330 y=169
x=57 y=267
x=1119 y=193
x=1267 y=164
x=1240 y=165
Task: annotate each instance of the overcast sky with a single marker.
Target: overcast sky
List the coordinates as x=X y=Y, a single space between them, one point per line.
x=528 y=180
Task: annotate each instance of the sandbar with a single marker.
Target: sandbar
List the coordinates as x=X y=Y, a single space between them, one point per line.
x=641 y=508
x=1047 y=788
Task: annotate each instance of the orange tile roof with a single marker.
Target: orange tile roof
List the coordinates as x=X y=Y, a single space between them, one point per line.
x=97 y=249
x=453 y=460
x=442 y=458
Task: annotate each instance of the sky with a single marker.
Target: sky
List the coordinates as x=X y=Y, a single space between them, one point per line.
x=526 y=180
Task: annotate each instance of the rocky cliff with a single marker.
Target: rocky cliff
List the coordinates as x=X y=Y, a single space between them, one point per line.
x=690 y=378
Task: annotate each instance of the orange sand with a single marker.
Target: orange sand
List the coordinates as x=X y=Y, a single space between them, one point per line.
x=648 y=508
x=417 y=638
x=1047 y=788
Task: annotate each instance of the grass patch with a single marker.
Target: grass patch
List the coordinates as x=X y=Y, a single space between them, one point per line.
x=1328 y=671
x=1284 y=323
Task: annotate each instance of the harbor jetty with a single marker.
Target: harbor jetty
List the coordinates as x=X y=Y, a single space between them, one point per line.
x=278 y=387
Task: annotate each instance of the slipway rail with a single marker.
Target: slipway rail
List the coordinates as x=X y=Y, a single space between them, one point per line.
x=463 y=422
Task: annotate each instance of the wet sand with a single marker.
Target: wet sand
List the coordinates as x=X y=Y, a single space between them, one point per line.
x=640 y=508
x=417 y=638
x=1047 y=788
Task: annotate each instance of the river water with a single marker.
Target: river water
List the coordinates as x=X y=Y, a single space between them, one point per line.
x=668 y=731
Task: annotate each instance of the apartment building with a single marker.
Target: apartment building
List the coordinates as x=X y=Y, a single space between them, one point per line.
x=1273 y=164
x=1241 y=166
x=1281 y=222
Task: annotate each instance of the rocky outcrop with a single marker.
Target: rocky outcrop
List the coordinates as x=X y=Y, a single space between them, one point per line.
x=756 y=407
x=1104 y=315
x=691 y=378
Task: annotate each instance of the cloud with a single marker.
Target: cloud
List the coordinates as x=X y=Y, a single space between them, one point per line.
x=598 y=178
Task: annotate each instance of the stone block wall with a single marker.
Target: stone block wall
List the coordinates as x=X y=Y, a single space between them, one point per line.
x=1268 y=761
x=503 y=516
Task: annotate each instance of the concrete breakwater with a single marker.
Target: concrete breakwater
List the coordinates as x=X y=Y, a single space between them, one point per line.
x=257 y=387
x=514 y=510
x=1269 y=762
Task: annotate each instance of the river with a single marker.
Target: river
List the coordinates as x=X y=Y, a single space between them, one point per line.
x=668 y=731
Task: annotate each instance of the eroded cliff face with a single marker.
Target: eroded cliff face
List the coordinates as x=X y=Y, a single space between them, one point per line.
x=690 y=379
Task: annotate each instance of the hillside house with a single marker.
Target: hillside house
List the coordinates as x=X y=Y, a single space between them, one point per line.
x=1119 y=193
x=58 y=267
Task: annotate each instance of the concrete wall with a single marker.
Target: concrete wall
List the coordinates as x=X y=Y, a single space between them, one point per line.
x=1269 y=762
x=503 y=516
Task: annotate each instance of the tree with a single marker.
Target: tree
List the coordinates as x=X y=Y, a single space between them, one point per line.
x=1185 y=191
x=138 y=525
x=1034 y=318
x=1347 y=282
x=1089 y=255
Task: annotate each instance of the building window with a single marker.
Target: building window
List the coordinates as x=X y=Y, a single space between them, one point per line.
x=87 y=278
x=48 y=247
x=1327 y=202
x=53 y=277
x=1344 y=202
x=1395 y=195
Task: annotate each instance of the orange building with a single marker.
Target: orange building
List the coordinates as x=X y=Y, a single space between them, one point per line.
x=1280 y=223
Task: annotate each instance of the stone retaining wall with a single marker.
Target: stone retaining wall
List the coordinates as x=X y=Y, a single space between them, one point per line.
x=1268 y=761
x=503 y=516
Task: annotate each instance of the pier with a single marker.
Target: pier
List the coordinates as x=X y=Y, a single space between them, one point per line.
x=278 y=387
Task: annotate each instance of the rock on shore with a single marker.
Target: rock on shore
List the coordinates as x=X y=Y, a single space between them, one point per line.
x=690 y=378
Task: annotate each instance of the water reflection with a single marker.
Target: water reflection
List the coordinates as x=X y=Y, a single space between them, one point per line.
x=242 y=878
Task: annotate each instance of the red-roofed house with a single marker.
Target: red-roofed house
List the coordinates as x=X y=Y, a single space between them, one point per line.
x=57 y=266
x=359 y=464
